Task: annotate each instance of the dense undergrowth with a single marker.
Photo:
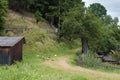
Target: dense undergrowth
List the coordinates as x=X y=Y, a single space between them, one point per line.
x=92 y=62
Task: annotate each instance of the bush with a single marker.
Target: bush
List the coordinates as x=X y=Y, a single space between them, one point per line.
x=38 y=42
x=116 y=55
x=89 y=60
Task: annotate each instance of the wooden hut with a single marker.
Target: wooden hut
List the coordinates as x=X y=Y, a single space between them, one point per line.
x=11 y=49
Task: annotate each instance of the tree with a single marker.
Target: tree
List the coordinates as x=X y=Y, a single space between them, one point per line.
x=107 y=20
x=53 y=13
x=81 y=23
x=21 y=5
x=65 y=5
x=110 y=40
x=110 y=37
x=51 y=10
x=98 y=9
x=38 y=16
x=3 y=12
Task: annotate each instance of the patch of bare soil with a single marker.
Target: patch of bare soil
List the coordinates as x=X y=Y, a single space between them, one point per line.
x=62 y=64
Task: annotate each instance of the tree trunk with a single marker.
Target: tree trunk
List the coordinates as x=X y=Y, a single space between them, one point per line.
x=84 y=45
x=37 y=21
x=52 y=22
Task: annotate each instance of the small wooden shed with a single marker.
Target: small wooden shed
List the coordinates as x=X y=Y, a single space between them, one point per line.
x=11 y=49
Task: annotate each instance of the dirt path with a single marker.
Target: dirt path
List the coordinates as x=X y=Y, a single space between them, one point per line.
x=62 y=64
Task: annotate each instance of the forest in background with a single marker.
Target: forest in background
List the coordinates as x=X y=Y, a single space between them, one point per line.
x=97 y=31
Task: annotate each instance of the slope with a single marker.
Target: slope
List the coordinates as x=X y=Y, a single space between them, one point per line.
x=24 y=19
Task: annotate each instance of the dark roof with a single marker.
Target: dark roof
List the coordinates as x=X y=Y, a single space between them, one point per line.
x=109 y=59
x=9 y=41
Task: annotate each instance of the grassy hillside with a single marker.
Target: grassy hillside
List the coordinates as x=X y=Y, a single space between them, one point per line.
x=24 y=20
x=40 y=46
x=18 y=22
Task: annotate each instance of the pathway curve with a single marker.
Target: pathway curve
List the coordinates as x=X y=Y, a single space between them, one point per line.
x=62 y=64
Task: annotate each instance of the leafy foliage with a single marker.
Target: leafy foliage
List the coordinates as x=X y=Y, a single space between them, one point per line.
x=110 y=38
x=81 y=23
x=116 y=55
x=109 y=34
x=3 y=12
x=98 y=9
x=38 y=16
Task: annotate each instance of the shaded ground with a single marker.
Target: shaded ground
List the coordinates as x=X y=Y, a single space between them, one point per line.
x=62 y=64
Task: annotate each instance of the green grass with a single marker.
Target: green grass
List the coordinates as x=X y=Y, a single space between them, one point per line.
x=31 y=68
x=40 y=46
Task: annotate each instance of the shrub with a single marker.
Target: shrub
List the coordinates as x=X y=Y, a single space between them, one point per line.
x=89 y=60
x=116 y=55
x=40 y=42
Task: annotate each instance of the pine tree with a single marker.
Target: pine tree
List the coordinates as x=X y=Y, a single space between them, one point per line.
x=3 y=12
